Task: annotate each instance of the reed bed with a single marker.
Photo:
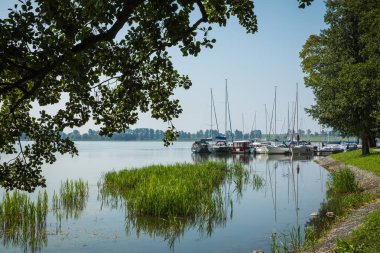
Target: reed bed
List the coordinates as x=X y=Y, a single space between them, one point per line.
x=23 y=222
x=72 y=199
x=166 y=200
x=180 y=190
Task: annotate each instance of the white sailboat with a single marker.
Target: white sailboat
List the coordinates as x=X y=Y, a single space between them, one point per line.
x=274 y=149
x=220 y=144
x=300 y=149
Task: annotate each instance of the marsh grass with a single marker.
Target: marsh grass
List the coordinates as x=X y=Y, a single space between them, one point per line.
x=23 y=222
x=165 y=200
x=290 y=241
x=71 y=200
x=180 y=190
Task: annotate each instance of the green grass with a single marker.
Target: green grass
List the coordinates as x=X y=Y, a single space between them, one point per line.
x=365 y=238
x=370 y=162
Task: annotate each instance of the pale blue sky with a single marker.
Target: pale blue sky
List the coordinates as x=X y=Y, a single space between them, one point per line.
x=253 y=65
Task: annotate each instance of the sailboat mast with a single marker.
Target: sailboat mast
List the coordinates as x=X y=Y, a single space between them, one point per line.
x=225 y=112
x=287 y=131
x=275 y=113
x=298 y=134
x=242 y=117
x=229 y=114
x=266 y=122
x=211 y=114
x=255 y=126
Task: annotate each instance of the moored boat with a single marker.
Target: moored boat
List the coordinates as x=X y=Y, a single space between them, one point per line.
x=241 y=147
x=201 y=146
x=220 y=145
x=273 y=150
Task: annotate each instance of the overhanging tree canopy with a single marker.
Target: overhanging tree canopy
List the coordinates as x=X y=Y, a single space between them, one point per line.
x=342 y=66
x=108 y=56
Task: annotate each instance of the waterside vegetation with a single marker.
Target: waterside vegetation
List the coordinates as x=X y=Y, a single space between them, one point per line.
x=180 y=190
x=165 y=201
x=23 y=221
x=343 y=196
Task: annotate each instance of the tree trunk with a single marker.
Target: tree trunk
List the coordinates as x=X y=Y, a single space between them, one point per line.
x=365 y=144
x=372 y=140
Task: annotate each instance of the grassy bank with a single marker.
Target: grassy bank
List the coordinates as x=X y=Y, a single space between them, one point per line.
x=370 y=162
x=343 y=195
x=365 y=238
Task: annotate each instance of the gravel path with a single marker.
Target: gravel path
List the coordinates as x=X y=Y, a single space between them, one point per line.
x=367 y=181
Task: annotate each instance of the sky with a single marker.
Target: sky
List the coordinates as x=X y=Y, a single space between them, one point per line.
x=252 y=64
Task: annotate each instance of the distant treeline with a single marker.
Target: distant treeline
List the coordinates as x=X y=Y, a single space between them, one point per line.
x=146 y=134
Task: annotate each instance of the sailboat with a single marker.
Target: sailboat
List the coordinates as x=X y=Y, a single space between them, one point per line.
x=203 y=145
x=273 y=149
x=300 y=148
x=220 y=142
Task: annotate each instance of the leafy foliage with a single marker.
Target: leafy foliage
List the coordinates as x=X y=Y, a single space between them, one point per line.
x=106 y=60
x=342 y=68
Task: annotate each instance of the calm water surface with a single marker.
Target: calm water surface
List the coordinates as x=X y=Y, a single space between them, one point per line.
x=292 y=190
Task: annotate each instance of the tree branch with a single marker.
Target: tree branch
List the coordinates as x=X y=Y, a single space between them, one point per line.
x=129 y=7
x=204 y=17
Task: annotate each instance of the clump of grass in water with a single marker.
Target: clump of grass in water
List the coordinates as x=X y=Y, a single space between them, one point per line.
x=72 y=199
x=181 y=190
x=290 y=242
x=175 y=197
x=23 y=221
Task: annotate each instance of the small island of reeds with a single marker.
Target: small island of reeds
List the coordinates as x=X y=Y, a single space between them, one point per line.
x=180 y=190
x=165 y=200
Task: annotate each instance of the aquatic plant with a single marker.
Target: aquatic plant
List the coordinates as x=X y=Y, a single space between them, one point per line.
x=290 y=241
x=23 y=222
x=166 y=200
x=181 y=190
x=72 y=199
x=257 y=182
x=310 y=237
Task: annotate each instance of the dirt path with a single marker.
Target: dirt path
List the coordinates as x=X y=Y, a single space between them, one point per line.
x=367 y=181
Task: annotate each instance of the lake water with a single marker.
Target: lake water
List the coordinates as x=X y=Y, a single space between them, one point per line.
x=292 y=190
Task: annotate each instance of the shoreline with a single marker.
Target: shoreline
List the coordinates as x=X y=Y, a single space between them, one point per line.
x=342 y=229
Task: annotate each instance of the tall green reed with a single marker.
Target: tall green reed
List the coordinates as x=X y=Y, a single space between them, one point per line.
x=23 y=222
x=70 y=201
x=177 y=196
